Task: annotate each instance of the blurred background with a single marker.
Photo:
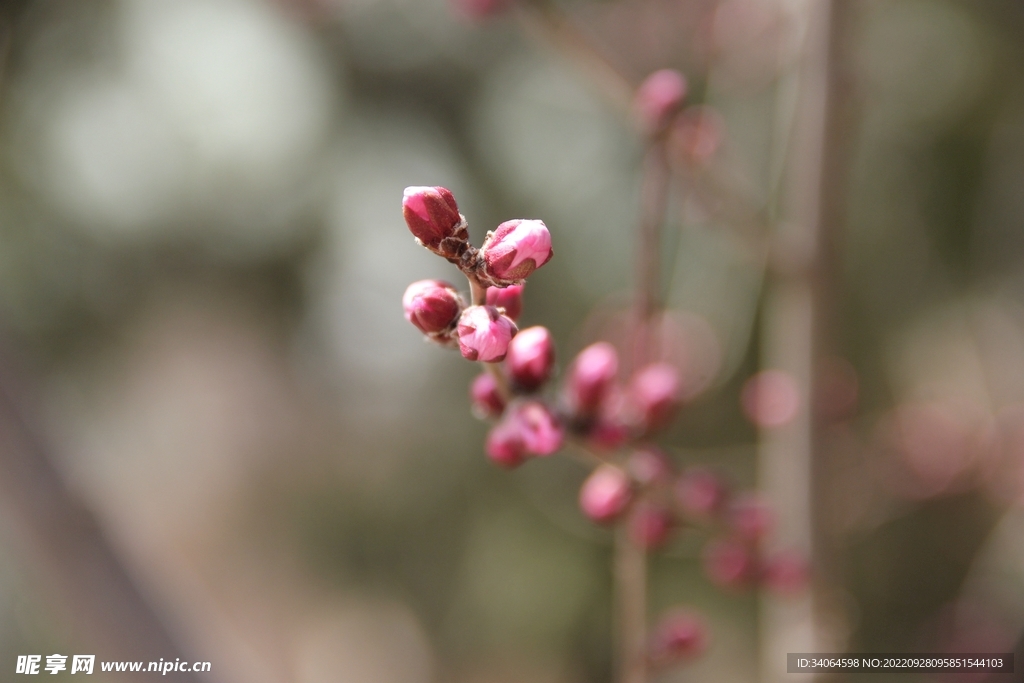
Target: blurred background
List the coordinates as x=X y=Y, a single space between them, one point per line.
x=202 y=258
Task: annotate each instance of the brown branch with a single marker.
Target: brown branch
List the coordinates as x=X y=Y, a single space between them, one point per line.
x=794 y=321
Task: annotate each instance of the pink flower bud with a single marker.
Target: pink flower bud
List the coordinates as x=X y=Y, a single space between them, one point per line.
x=786 y=573
x=433 y=306
x=540 y=431
x=505 y=446
x=510 y=298
x=514 y=250
x=680 y=634
x=729 y=564
x=607 y=436
x=531 y=358
x=590 y=376
x=700 y=494
x=751 y=518
x=432 y=215
x=659 y=97
x=649 y=466
x=650 y=525
x=605 y=494
x=610 y=428
x=655 y=391
x=484 y=334
x=485 y=397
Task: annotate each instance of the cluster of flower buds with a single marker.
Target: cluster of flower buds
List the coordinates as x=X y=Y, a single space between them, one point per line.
x=639 y=493
x=654 y=501
x=635 y=484
x=484 y=330
x=607 y=414
x=734 y=560
x=526 y=428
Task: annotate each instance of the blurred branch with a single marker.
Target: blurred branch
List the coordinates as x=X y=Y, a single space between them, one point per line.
x=631 y=591
x=802 y=266
x=75 y=563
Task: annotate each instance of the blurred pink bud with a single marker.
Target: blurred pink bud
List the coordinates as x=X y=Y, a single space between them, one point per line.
x=505 y=446
x=700 y=493
x=510 y=298
x=771 y=398
x=649 y=466
x=729 y=564
x=484 y=334
x=697 y=134
x=433 y=306
x=659 y=97
x=485 y=397
x=786 y=573
x=655 y=391
x=531 y=357
x=540 y=430
x=431 y=214
x=479 y=10
x=590 y=376
x=650 y=525
x=610 y=427
x=514 y=250
x=680 y=634
x=751 y=518
x=605 y=494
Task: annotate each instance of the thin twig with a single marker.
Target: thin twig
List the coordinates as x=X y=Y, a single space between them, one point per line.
x=550 y=25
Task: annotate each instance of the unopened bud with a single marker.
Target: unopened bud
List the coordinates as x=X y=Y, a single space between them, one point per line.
x=432 y=306
x=484 y=334
x=509 y=298
x=679 y=635
x=540 y=430
x=485 y=396
x=700 y=493
x=658 y=99
x=605 y=494
x=751 y=518
x=433 y=216
x=610 y=427
x=531 y=358
x=650 y=466
x=729 y=563
x=515 y=249
x=505 y=446
x=650 y=525
x=590 y=376
x=655 y=391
